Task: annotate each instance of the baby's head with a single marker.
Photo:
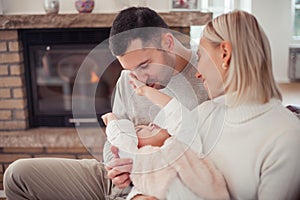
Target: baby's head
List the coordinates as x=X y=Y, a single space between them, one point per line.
x=151 y=135
x=147 y=130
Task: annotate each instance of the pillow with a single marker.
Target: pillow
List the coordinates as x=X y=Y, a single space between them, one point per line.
x=294 y=109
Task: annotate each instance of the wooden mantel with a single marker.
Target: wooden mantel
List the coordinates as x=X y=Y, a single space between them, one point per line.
x=173 y=19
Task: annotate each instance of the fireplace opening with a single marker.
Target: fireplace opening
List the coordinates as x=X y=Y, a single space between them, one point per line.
x=52 y=58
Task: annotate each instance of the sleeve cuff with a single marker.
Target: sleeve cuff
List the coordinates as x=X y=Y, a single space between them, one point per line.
x=170 y=117
x=168 y=110
x=121 y=133
x=116 y=127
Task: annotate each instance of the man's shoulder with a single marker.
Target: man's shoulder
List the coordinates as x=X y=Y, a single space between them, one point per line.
x=123 y=80
x=124 y=76
x=123 y=88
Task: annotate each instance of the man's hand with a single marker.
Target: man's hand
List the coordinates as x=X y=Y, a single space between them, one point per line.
x=119 y=170
x=143 y=197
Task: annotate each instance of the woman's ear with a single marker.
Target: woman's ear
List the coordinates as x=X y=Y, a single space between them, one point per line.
x=226 y=51
x=167 y=41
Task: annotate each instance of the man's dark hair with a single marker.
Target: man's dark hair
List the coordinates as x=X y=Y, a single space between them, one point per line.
x=134 y=19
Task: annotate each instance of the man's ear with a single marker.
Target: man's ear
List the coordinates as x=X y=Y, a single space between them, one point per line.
x=226 y=51
x=167 y=41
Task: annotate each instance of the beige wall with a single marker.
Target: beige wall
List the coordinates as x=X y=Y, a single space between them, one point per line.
x=276 y=18
x=67 y=6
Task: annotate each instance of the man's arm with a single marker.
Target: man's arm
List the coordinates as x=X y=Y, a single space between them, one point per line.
x=119 y=109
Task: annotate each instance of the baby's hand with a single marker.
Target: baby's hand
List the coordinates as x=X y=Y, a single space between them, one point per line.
x=136 y=84
x=108 y=117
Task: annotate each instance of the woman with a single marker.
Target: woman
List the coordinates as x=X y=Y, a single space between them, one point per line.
x=258 y=143
x=251 y=138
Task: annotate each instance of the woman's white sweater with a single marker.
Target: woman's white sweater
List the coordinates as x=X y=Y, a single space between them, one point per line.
x=255 y=146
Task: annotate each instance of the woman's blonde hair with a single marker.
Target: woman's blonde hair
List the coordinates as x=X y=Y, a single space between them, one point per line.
x=250 y=73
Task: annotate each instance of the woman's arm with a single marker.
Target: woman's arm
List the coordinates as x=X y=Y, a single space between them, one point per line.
x=280 y=169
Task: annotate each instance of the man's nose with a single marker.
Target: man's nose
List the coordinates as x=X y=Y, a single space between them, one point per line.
x=141 y=76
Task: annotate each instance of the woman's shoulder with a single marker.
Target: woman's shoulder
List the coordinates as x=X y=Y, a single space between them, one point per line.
x=283 y=116
x=283 y=130
x=283 y=147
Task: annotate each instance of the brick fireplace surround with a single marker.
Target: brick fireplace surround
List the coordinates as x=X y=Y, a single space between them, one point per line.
x=17 y=139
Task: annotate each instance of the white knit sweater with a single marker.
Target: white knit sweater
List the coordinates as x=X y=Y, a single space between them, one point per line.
x=255 y=146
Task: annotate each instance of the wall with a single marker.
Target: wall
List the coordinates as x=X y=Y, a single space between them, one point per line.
x=274 y=15
x=13 y=105
x=276 y=19
x=67 y=6
x=244 y=5
x=1 y=7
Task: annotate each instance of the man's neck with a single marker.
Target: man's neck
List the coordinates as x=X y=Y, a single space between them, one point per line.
x=183 y=55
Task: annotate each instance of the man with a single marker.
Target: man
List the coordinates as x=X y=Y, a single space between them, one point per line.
x=145 y=46
x=157 y=59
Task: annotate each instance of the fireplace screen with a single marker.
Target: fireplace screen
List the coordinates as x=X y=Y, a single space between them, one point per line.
x=53 y=68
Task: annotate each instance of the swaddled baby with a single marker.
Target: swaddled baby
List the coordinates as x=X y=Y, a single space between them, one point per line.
x=163 y=166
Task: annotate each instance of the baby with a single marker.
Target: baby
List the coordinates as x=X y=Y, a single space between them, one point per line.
x=142 y=135
x=129 y=139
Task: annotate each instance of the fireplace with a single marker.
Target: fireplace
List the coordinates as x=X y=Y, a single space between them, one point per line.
x=52 y=59
x=19 y=87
